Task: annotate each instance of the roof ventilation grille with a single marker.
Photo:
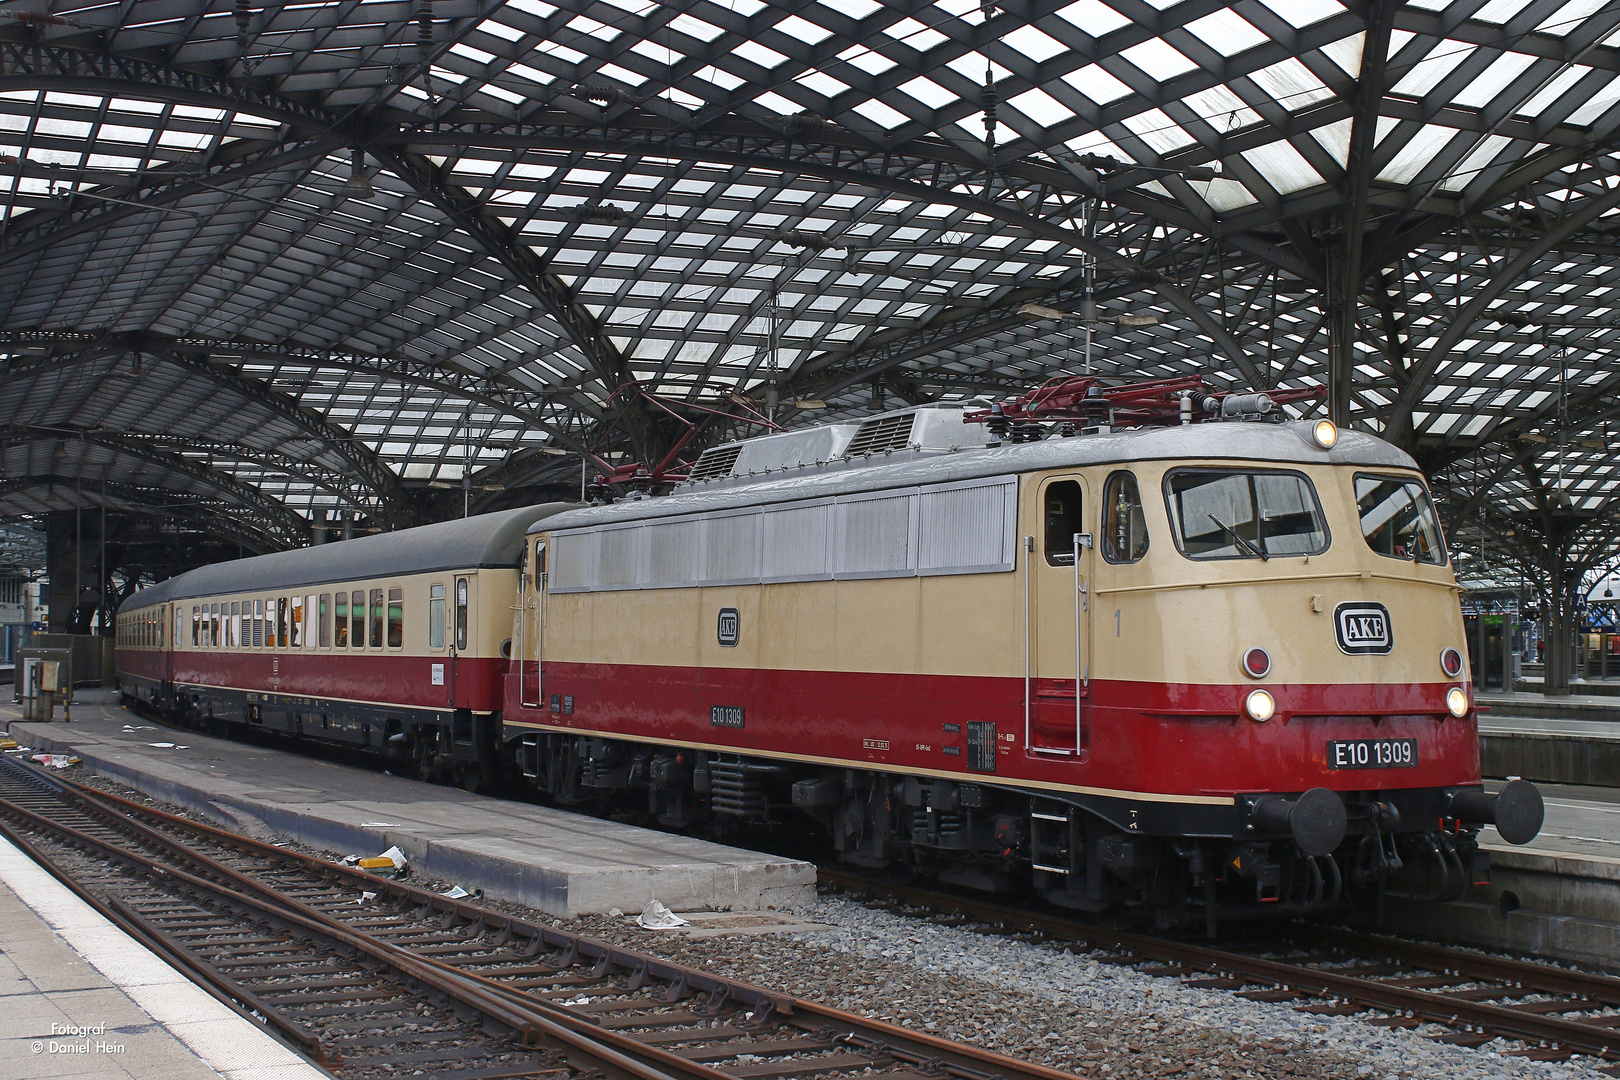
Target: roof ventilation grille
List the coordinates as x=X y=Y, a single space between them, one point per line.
x=882 y=434
x=715 y=462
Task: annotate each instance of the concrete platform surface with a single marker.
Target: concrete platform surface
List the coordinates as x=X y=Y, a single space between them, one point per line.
x=65 y=969
x=562 y=863
x=1581 y=748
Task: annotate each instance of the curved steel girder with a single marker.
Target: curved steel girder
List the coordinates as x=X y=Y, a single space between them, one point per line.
x=205 y=355
x=1398 y=418
x=222 y=518
x=948 y=173
x=36 y=65
x=491 y=234
x=832 y=372
x=293 y=528
x=368 y=467
x=955 y=195
x=38 y=230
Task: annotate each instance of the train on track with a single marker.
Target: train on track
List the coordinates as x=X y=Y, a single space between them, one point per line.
x=1140 y=649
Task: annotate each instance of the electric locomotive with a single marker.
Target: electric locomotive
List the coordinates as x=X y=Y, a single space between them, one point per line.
x=1141 y=648
x=1144 y=649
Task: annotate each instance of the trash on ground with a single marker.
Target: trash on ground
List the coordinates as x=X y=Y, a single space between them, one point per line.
x=390 y=863
x=55 y=761
x=162 y=745
x=8 y=744
x=366 y=897
x=379 y=824
x=139 y=727
x=655 y=916
x=455 y=892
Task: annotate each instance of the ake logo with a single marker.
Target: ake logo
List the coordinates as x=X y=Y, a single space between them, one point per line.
x=1362 y=628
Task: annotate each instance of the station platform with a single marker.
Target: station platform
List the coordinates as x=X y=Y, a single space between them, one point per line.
x=81 y=998
x=1557 y=897
x=1562 y=740
x=561 y=863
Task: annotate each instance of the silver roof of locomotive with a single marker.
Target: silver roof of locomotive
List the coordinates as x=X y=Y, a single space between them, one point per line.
x=1252 y=441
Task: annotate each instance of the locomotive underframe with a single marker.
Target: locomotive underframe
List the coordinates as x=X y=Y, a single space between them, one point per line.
x=1170 y=863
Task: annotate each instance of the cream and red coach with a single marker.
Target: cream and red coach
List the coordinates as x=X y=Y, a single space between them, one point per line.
x=1212 y=666
x=398 y=641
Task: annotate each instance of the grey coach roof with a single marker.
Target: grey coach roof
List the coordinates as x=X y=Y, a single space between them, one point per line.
x=1252 y=442
x=466 y=543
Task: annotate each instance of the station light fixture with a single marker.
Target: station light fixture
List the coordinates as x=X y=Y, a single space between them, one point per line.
x=1260 y=706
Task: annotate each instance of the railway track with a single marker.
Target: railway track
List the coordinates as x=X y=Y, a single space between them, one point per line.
x=366 y=974
x=1555 y=1012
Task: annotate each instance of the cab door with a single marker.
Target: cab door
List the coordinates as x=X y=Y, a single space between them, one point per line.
x=1061 y=598
x=530 y=689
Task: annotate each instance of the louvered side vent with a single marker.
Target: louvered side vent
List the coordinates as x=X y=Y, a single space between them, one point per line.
x=882 y=434
x=715 y=462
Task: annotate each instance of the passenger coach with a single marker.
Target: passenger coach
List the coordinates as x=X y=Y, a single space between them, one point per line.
x=397 y=641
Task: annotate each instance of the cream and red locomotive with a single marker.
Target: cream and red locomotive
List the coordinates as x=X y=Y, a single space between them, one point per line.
x=1094 y=642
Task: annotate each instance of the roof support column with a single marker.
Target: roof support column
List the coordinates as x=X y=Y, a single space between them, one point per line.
x=1345 y=270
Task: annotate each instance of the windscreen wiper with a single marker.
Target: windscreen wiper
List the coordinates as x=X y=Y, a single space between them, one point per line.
x=1239 y=537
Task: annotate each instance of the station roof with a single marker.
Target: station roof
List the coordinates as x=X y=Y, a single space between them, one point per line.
x=262 y=260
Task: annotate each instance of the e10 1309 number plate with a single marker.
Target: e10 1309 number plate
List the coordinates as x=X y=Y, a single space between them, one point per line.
x=1372 y=753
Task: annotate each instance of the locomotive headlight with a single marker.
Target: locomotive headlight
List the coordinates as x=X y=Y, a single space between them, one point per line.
x=1456 y=701
x=1260 y=706
x=1325 y=434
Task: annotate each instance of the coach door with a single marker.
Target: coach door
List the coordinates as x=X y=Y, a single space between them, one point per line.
x=1060 y=571
x=167 y=642
x=462 y=633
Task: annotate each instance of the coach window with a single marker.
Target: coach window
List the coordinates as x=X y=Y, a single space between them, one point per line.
x=396 y=618
x=461 y=613
x=435 y=616
x=340 y=621
x=1124 y=528
x=196 y=625
x=213 y=626
x=280 y=628
x=376 y=618
x=326 y=620
x=1062 y=501
x=296 y=627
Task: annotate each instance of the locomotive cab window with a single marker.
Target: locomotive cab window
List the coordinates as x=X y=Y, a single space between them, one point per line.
x=1061 y=510
x=1244 y=514
x=1124 y=526
x=1398 y=519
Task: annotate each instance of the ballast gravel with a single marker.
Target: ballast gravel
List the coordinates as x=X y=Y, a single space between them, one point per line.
x=1037 y=1001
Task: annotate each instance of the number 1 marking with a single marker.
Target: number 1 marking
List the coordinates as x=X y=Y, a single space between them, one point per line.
x=1116 y=622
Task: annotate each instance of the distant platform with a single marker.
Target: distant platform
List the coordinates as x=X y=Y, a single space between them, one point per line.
x=561 y=863
x=65 y=969
x=1573 y=740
